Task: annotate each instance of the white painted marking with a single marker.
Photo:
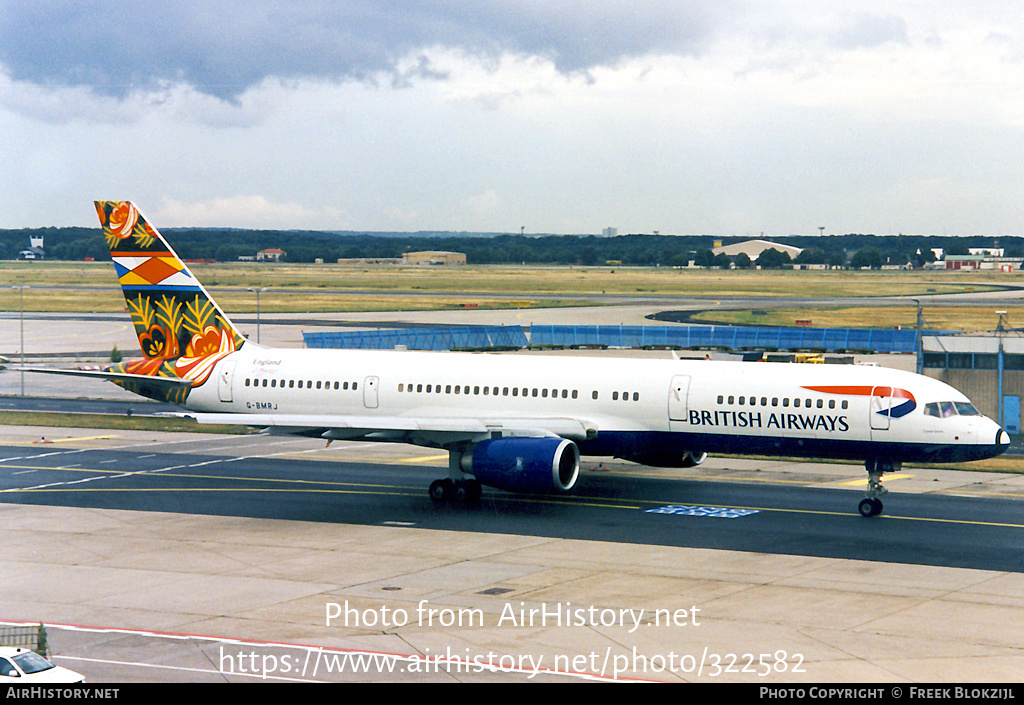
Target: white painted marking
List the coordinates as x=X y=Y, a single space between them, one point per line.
x=695 y=511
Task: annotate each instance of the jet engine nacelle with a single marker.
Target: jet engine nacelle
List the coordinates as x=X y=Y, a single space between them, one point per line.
x=525 y=464
x=692 y=459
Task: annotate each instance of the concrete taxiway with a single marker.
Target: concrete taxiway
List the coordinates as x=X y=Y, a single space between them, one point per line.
x=162 y=595
x=158 y=595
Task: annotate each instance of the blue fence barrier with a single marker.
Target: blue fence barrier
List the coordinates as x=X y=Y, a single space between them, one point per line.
x=475 y=337
x=883 y=340
x=731 y=337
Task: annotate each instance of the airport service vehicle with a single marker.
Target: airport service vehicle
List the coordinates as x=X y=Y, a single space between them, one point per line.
x=520 y=423
x=24 y=667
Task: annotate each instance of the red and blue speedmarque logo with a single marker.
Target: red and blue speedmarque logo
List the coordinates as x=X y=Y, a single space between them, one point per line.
x=902 y=401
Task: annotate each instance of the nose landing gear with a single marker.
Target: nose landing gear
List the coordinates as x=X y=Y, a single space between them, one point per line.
x=872 y=505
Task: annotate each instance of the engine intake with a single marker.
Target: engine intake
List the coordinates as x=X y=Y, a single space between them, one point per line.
x=536 y=465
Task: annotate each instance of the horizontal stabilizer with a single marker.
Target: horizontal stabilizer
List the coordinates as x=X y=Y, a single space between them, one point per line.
x=169 y=383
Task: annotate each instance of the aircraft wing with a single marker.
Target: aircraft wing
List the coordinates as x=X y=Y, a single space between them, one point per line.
x=436 y=430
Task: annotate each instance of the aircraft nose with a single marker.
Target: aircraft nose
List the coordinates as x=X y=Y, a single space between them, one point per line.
x=1002 y=440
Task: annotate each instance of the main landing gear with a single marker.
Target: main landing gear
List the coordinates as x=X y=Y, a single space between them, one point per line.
x=443 y=491
x=872 y=505
x=457 y=486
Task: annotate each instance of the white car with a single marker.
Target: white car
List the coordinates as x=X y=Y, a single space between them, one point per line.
x=19 y=666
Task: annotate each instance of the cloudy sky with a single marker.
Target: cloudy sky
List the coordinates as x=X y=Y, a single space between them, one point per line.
x=720 y=117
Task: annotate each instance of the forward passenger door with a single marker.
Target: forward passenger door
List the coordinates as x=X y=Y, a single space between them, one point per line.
x=678 y=394
x=881 y=403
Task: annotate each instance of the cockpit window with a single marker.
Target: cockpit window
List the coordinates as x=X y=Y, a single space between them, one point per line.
x=946 y=409
x=965 y=408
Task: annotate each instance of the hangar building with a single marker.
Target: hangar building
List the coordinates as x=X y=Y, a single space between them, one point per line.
x=754 y=248
x=434 y=257
x=987 y=367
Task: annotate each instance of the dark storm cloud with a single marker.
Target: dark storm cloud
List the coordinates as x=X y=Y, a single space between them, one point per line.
x=223 y=48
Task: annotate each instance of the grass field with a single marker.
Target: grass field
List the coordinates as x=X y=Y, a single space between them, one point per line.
x=936 y=318
x=90 y=287
x=109 y=421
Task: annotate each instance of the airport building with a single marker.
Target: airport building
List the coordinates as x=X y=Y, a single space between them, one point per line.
x=982 y=261
x=271 y=254
x=754 y=248
x=987 y=367
x=35 y=250
x=434 y=257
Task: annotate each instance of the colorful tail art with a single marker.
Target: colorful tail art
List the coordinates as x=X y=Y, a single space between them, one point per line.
x=181 y=330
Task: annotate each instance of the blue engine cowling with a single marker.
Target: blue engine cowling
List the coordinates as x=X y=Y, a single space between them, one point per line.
x=525 y=464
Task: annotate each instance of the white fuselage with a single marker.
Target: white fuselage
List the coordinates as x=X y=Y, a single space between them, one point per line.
x=642 y=409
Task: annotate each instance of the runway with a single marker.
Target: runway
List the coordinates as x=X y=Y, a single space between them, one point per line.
x=217 y=539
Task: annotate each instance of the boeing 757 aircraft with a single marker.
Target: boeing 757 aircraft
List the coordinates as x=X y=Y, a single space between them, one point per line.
x=521 y=422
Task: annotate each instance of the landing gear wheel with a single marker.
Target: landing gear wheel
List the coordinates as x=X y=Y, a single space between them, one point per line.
x=441 y=490
x=870 y=507
x=446 y=490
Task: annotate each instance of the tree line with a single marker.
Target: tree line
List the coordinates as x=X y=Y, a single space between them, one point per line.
x=227 y=245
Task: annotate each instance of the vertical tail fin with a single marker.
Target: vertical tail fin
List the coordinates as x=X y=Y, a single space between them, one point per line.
x=181 y=330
